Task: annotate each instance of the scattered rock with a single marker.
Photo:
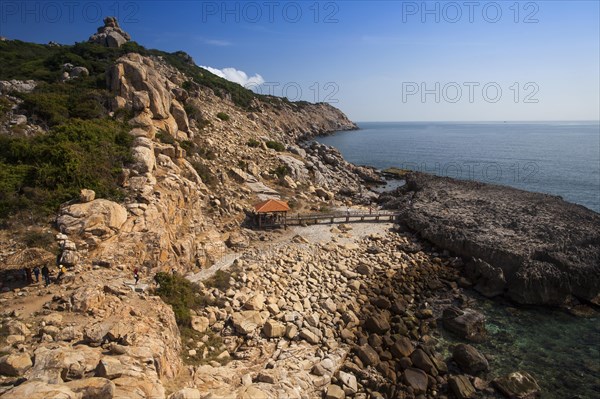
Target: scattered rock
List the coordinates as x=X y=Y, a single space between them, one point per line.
x=469 y=359
x=465 y=323
x=87 y=195
x=518 y=385
x=247 y=321
x=335 y=392
x=15 y=365
x=200 y=323
x=416 y=379
x=461 y=386
x=368 y=355
x=273 y=329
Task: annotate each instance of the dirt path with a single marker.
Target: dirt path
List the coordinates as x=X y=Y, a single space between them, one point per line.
x=30 y=302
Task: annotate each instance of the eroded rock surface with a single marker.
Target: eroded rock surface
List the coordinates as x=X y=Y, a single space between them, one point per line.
x=534 y=248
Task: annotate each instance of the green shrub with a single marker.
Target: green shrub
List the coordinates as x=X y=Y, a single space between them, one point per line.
x=38 y=239
x=253 y=143
x=219 y=280
x=282 y=170
x=41 y=172
x=181 y=294
x=165 y=137
x=223 y=116
x=243 y=165
x=276 y=145
x=205 y=174
x=53 y=104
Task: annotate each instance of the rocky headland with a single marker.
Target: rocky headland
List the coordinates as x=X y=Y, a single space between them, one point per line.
x=314 y=311
x=533 y=248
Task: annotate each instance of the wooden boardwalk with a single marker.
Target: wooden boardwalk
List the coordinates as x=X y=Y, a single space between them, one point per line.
x=340 y=217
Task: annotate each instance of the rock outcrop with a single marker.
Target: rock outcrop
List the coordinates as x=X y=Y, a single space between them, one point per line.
x=110 y=35
x=100 y=218
x=534 y=248
x=18 y=86
x=140 y=86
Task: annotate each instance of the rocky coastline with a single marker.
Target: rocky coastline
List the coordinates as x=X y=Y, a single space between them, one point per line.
x=316 y=311
x=533 y=248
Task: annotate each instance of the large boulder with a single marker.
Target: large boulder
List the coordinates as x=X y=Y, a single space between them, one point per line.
x=64 y=363
x=518 y=385
x=15 y=365
x=18 y=86
x=36 y=389
x=93 y=388
x=273 y=329
x=368 y=355
x=416 y=379
x=461 y=386
x=465 y=323
x=469 y=359
x=377 y=324
x=247 y=321
x=99 y=217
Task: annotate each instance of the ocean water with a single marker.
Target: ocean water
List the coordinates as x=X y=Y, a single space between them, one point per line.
x=561 y=351
x=559 y=158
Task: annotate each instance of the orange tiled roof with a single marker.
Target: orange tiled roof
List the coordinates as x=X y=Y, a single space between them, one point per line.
x=271 y=205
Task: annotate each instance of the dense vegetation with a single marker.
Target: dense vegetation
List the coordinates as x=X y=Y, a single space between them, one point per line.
x=39 y=173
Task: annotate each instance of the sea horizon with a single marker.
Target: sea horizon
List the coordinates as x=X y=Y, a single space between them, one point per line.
x=591 y=121
x=551 y=157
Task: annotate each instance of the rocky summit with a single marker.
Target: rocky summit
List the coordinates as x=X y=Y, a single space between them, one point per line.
x=111 y=34
x=158 y=286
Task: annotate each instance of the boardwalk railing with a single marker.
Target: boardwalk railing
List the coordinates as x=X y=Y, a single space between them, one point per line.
x=340 y=217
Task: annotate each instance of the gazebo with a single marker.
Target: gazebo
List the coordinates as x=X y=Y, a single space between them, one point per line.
x=270 y=213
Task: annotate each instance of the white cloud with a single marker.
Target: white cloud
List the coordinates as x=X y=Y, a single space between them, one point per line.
x=237 y=76
x=216 y=42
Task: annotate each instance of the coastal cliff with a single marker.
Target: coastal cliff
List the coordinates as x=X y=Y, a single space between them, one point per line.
x=533 y=248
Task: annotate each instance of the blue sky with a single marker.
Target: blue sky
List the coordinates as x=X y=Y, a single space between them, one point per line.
x=377 y=61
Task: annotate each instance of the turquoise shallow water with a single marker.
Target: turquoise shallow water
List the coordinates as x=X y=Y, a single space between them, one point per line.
x=561 y=351
x=560 y=158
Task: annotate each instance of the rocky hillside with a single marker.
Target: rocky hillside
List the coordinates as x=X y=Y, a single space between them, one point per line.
x=118 y=158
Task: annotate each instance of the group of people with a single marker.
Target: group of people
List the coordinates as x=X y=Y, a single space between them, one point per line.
x=29 y=274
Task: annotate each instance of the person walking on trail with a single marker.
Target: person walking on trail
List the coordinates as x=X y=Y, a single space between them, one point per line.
x=46 y=275
x=136 y=275
x=36 y=273
x=61 y=272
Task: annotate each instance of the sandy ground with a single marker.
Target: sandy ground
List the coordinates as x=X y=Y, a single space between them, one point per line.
x=322 y=233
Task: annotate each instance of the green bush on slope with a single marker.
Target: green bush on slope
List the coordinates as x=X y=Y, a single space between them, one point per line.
x=39 y=173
